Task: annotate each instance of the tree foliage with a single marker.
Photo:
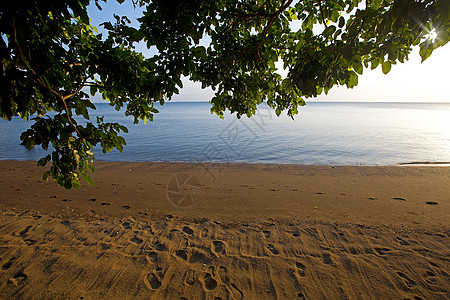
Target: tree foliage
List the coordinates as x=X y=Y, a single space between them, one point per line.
x=50 y=53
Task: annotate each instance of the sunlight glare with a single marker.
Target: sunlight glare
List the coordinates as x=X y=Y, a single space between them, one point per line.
x=431 y=35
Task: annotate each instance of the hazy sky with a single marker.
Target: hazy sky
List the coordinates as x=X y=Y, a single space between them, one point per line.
x=412 y=81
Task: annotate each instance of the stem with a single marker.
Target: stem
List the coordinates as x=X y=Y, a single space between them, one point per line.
x=76 y=91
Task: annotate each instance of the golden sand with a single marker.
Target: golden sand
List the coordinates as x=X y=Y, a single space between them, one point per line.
x=238 y=231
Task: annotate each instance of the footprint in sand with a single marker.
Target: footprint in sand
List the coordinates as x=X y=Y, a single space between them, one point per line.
x=137 y=240
x=327 y=259
x=65 y=223
x=272 y=249
x=154 y=280
x=406 y=280
x=25 y=231
x=204 y=233
x=190 y=277
x=445 y=274
x=197 y=257
x=433 y=264
x=402 y=241
x=160 y=247
x=181 y=254
x=152 y=257
x=207 y=281
x=29 y=242
x=223 y=274
x=8 y=264
x=18 y=279
x=218 y=247
x=235 y=292
x=266 y=233
x=148 y=228
x=301 y=269
x=126 y=225
x=382 y=250
x=188 y=230
x=430 y=277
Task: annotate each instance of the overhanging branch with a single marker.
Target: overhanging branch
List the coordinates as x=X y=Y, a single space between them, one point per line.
x=45 y=86
x=269 y=24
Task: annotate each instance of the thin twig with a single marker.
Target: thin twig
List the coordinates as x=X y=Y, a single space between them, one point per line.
x=76 y=91
x=321 y=12
x=61 y=98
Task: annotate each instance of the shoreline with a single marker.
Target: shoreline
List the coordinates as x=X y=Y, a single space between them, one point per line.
x=247 y=231
x=413 y=163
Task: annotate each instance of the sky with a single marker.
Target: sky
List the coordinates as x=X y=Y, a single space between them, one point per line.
x=411 y=81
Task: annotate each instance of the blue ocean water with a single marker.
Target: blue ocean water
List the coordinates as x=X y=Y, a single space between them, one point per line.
x=323 y=133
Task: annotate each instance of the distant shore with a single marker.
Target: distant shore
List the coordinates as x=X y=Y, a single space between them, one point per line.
x=233 y=231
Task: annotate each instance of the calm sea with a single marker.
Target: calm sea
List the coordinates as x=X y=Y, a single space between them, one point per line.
x=323 y=133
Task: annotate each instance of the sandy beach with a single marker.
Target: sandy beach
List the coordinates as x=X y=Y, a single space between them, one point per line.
x=226 y=231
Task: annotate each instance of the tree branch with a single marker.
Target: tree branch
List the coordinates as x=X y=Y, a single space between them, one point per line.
x=321 y=12
x=61 y=98
x=246 y=16
x=39 y=81
x=76 y=91
x=269 y=24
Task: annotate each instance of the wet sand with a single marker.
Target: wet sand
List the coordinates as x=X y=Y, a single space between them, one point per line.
x=237 y=231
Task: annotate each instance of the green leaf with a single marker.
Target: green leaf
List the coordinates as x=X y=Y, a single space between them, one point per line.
x=278 y=111
x=334 y=15
x=286 y=84
x=93 y=90
x=341 y=22
x=87 y=179
x=425 y=50
x=366 y=63
x=353 y=80
x=200 y=52
x=375 y=4
x=358 y=67
x=386 y=67
x=373 y=64
x=329 y=30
